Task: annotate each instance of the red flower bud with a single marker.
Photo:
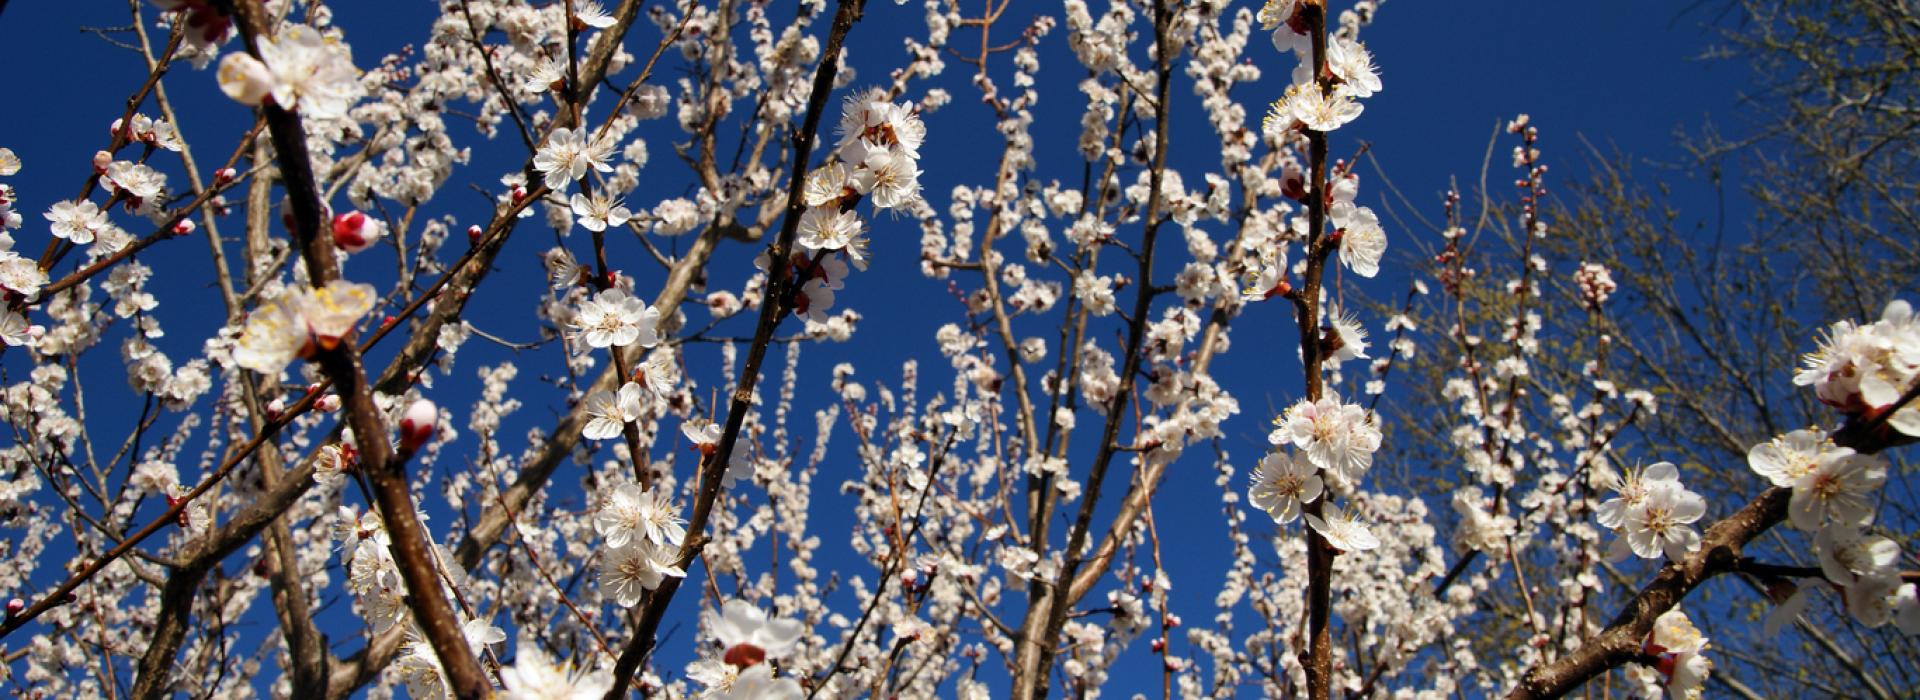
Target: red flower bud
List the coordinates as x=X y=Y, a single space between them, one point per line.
x=355 y=232
x=417 y=426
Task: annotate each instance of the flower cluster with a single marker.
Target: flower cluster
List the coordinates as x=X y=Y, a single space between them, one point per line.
x=1307 y=104
x=878 y=159
x=1595 y=283
x=643 y=529
x=19 y=275
x=1333 y=436
x=1678 y=649
x=1333 y=444
x=567 y=155
x=1653 y=513
x=1835 y=492
x=1863 y=370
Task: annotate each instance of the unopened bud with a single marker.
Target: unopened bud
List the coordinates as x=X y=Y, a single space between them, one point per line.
x=102 y=159
x=417 y=425
x=183 y=227
x=473 y=234
x=354 y=231
x=327 y=404
x=15 y=607
x=225 y=175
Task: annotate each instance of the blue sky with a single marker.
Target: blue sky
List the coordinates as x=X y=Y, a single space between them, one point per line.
x=1622 y=75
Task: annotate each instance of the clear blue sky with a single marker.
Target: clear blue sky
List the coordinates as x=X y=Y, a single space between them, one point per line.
x=1621 y=74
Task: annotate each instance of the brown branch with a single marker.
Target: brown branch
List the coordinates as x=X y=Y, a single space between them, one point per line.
x=1622 y=640
x=1719 y=553
x=385 y=470
x=1035 y=648
x=1318 y=656
x=772 y=310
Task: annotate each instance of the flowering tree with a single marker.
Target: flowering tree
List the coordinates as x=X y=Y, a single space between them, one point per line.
x=993 y=536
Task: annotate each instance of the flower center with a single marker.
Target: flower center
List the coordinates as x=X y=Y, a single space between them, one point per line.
x=744 y=655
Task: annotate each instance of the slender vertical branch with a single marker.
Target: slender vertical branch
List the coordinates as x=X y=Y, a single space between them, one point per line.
x=385 y=470
x=773 y=308
x=1318 y=657
x=1034 y=647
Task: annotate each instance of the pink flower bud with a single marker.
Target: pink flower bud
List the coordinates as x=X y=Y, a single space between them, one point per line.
x=473 y=234
x=183 y=227
x=225 y=175
x=355 y=231
x=114 y=130
x=15 y=607
x=276 y=407
x=417 y=425
x=327 y=404
x=102 y=159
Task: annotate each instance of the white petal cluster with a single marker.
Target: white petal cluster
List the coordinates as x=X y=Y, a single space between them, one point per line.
x=1338 y=437
x=627 y=573
x=609 y=412
x=634 y=513
x=1282 y=483
x=536 y=676
x=1653 y=513
x=567 y=155
x=877 y=159
x=1835 y=493
x=748 y=640
x=76 y=221
x=1679 y=647
x=299 y=69
x=1862 y=370
x=614 y=318
x=1343 y=532
x=644 y=531
x=297 y=322
x=598 y=212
